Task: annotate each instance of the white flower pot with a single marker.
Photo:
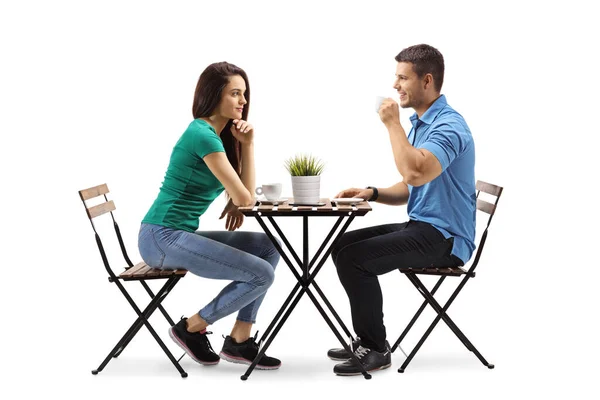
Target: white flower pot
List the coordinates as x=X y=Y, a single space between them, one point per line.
x=306 y=189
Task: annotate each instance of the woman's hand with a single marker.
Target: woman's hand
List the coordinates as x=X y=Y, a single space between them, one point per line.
x=242 y=131
x=235 y=218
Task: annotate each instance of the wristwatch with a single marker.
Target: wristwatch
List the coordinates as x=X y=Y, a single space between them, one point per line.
x=375 y=193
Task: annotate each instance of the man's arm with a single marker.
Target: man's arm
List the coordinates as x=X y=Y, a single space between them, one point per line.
x=396 y=195
x=417 y=166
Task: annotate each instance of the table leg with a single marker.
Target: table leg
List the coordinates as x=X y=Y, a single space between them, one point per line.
x=314 y=259
x=304 y=281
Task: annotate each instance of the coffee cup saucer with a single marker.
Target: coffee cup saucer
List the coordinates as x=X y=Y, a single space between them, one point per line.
x=264 y=200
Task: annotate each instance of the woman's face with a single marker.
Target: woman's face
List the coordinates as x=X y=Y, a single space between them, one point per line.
x=232 y=98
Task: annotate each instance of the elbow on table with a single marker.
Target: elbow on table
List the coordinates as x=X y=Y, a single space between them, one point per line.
x=244 y=200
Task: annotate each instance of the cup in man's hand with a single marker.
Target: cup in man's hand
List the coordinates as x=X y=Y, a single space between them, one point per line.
x=378 y=101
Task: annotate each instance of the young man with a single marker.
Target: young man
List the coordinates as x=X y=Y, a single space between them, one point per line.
x=437 y=162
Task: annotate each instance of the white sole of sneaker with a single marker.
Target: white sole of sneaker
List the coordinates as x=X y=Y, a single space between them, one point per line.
x=188 y=351
x=338 y=359
x=238 y=360
x=360 y=373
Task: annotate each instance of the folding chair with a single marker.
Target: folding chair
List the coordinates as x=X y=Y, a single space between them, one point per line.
x=140 y=272
x=411 y=274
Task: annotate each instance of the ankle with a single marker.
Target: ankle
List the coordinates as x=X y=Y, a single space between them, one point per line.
x=196 y=324
x=239 y=338
x=241 y=331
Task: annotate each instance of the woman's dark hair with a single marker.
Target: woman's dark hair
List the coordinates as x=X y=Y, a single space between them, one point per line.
x=207 y=98
x=425 y=60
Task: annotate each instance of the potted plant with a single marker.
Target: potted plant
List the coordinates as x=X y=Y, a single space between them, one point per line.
x=306 y=178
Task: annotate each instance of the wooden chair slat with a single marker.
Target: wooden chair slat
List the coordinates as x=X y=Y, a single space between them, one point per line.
x=92 y=192
x=181 y=272
x=486 y=207
x=131 y=271
x=152 y=272
x=142 y=272
x=166 y=272
x=100 y=209
x=265 y=207
x=488 y=188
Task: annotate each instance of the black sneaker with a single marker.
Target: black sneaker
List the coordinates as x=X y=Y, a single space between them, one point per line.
x=340 y=354
x=196 y=344
x=245 y=353
x=372 y=360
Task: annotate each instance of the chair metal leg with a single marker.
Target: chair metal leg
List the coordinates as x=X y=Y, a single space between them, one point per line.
x=143 y=320
x=416 y=316
x=140 y=324
x=442 y=311
x=441 y=315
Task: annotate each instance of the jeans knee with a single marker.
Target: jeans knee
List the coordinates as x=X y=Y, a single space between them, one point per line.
x=272 y=255
x=265 y=276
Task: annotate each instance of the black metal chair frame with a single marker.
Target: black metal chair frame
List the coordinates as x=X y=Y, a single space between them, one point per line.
x=442 y=311
x=156 y=299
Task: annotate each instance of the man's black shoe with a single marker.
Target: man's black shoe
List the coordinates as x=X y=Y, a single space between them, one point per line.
x=245 y=353
x=195 y=344
x=340 y=354
x=371 y=360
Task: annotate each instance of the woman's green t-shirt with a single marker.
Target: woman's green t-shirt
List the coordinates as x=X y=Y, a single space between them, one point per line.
x=189 y=186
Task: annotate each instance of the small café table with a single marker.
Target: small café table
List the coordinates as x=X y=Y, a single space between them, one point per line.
x=305 y=269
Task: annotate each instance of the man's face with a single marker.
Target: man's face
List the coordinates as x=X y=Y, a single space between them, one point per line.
x=409 y=86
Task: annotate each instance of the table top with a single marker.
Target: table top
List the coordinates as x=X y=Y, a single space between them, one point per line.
x=286 y=209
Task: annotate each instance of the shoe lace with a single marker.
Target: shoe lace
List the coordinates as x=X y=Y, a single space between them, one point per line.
x=254 y=344
x=360 y=352
x=205 y=342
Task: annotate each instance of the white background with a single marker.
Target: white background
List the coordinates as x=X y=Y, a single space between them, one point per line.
x=95 y=92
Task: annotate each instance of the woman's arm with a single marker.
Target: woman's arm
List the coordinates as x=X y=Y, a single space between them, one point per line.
x=221 y=168
x=248 y=175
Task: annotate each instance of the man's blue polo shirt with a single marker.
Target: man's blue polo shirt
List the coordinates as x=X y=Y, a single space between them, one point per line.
x=448 y=202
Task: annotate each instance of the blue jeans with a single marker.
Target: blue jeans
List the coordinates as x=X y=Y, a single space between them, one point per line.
x=246 y=258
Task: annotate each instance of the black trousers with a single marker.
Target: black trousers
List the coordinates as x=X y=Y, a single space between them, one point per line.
x=361 y=255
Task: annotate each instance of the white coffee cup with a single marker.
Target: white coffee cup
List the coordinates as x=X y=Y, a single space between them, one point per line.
x=378 y=101
x=272 y=191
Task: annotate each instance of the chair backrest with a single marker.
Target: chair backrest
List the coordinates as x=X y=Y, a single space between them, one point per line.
x=108 y=206
x=488 y=208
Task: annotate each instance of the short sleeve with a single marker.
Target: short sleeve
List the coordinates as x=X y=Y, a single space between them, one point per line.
x=206 y=141
x=444 y=142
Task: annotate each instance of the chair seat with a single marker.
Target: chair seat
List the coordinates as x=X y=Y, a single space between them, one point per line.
x=142 y=271
x=447 y=271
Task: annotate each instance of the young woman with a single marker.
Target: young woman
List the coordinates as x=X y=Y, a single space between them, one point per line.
x=215 y=153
